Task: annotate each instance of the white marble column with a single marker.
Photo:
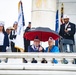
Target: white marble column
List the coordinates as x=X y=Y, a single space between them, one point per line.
x=43 y=13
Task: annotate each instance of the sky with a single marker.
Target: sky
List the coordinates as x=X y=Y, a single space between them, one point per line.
x=9 y=11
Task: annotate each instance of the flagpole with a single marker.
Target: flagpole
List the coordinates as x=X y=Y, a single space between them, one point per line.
x=57 y=23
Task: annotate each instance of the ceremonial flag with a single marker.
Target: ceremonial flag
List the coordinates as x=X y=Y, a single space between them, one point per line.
x=62 y=13
x=57 y=26
x=19 y=43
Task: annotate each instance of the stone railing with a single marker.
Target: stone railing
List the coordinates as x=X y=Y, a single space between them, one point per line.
x=20 y=63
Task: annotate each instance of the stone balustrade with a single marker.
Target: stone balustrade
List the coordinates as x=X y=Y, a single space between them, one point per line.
x=65 y=63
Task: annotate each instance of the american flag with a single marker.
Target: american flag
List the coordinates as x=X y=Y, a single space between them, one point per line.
x=62 y=13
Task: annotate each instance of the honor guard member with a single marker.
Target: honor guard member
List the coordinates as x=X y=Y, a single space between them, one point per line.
x=4 y=41
x=13 y=35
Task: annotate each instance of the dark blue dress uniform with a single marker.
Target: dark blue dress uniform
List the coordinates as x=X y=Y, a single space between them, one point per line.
x=71 y=32
x=13 y=36
x=26 y=42
x=5 y=43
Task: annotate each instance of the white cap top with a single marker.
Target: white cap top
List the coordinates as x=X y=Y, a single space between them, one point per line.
x=10 y=28
x=65 y=16
x=1 y=23
x=15 y=22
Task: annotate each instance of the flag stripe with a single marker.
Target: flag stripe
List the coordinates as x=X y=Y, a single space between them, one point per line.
x=57 y=22
x=22 y=15
x=62 y=12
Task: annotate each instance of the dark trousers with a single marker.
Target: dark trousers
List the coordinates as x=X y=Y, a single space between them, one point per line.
x=63 y=45
x=13 y=47
x=26 y=44
x=1 y=48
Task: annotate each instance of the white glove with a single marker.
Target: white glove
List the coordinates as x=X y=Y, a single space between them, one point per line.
x=7 y=48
